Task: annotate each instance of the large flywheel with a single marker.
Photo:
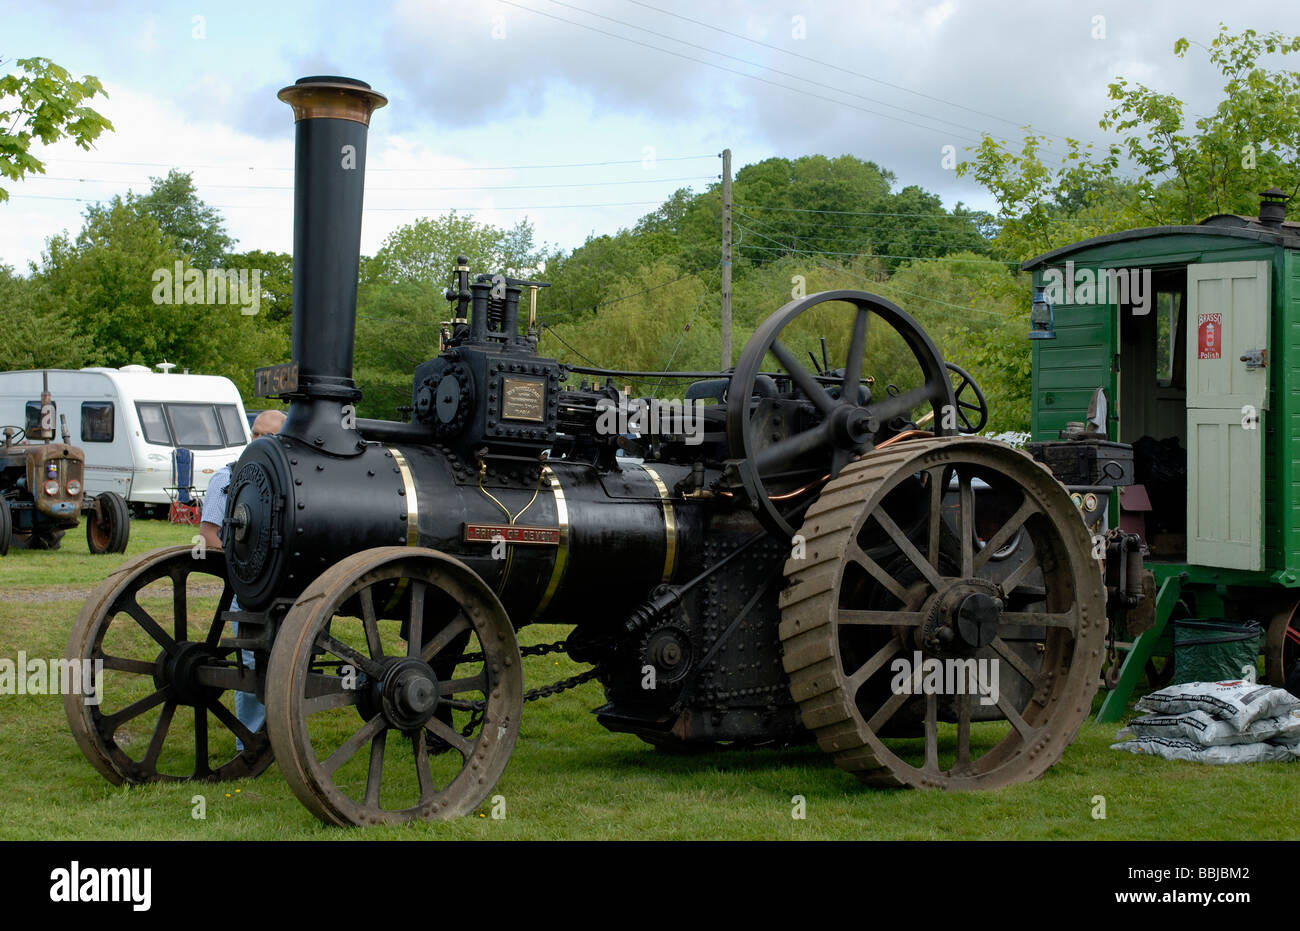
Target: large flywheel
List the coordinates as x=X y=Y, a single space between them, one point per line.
x=787 y=443
x=949 y=596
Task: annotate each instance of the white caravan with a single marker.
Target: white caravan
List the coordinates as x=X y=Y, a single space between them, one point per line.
x=129 y=422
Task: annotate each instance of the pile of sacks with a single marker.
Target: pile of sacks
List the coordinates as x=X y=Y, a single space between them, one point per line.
x=1216 y=722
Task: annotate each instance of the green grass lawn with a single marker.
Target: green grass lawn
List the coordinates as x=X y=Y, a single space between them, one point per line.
x=569 y=778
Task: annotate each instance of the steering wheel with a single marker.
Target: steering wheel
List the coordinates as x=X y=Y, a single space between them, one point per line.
x=961 y=381
x=781 y=445
x=18 y=437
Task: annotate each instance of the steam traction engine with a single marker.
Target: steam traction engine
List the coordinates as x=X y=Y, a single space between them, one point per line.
x=753 y=584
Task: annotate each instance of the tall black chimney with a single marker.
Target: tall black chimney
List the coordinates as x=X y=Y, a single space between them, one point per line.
x=332 y=116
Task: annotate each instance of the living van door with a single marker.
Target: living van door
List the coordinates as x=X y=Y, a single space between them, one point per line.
x=1227 y=397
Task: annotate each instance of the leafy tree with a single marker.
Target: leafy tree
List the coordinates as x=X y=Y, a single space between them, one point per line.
x=35 y=337
x=276 y=282
x=105 y=282
x=425 y=251
x=198 y=228
x=397 y=329
x=1251 y=141
x=42 y=101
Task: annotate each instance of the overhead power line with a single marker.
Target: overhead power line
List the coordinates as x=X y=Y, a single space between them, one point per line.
x=754 y=64
x=502 y=187
x=427 y=209
x=752 y=77
x=834 y=67
x=873 y=213
x=630 y=161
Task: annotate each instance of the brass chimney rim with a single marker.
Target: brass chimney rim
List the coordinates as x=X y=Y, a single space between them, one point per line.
x=328 y=97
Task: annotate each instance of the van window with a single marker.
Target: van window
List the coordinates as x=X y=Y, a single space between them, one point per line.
x=194 y=426
x=32 y=422
x=97 y=422
x=232 y=425
x=154 y=424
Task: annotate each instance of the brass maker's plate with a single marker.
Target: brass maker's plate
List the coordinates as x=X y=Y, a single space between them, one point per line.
x=487 y=533
x=523 y=398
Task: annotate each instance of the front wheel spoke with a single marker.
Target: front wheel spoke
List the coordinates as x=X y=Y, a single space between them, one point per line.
x=350 y=746
x=218 y=625
x=231 y=722
x=123 y=664
x=145 y=620
x=454 y=628
x=1006 y=532
x=137 y=708
x=908 y=548
x=460 y=704
x=443 y=731
x=375 y=771
x=331 y=693
x=327 y=643
x=150 y=760
x=371 y=624
x=180 y=608
x=421 y=743
x=415 y=629
x=477 y=683
x=872 y=666
x=201 y=762
x=805 y=382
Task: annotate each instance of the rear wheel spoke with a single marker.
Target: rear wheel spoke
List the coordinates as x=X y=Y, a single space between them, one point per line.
x=374 y=772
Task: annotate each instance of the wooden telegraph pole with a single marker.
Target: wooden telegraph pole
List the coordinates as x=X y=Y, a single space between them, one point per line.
x=726 y=259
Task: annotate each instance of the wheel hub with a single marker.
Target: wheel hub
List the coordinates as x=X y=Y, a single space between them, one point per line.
x=408 y=693
x=179 y=668
x=961 y=617
x=852 y=426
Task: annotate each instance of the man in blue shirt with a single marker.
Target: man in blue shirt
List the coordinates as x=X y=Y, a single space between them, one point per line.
x=250 y=711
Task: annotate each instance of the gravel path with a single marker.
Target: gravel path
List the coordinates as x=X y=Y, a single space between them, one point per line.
x=41 y=595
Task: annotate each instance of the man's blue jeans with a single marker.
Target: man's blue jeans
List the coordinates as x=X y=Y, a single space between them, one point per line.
x=250 y=711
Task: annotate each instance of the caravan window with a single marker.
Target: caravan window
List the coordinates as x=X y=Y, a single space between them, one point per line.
x=97 y=422
x=232 y=425
x=194 y=426
x=154 y=424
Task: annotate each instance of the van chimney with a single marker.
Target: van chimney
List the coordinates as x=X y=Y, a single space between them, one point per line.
x=1272 y=207
x=332 y=116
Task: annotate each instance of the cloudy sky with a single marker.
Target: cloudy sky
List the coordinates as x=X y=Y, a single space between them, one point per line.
x=580 y=114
